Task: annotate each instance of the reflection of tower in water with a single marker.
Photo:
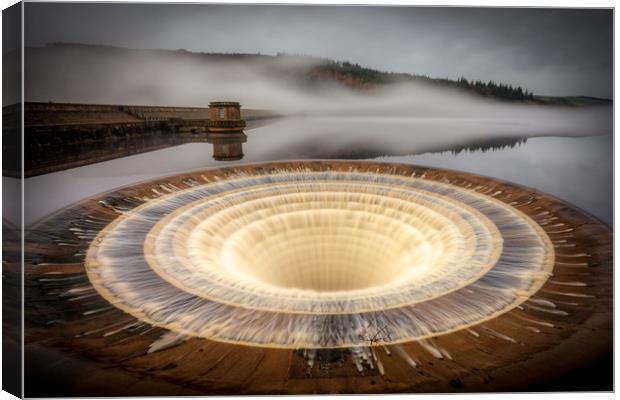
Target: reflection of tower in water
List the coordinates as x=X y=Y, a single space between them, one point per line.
x=225 y=130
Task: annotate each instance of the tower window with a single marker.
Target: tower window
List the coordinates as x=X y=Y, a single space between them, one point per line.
x=221 y=113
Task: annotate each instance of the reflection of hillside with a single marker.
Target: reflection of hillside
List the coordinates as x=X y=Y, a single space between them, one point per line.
x=362 y=152
x=492 y=144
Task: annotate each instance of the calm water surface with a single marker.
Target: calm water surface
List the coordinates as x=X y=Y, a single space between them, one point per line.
x=576 y=169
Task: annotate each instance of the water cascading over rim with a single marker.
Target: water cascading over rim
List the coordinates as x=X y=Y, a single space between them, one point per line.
x=303 y=258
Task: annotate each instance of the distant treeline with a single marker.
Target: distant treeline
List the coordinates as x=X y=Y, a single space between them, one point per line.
x=368 y=75
x=351 y=73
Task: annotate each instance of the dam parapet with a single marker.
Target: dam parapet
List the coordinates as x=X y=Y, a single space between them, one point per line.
x=60 y=136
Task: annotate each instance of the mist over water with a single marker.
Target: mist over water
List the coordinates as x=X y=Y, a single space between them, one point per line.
x=432 y=118
x=370 y=136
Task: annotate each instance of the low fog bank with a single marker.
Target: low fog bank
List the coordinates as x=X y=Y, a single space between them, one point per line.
x=99 y=74
x=328 y=119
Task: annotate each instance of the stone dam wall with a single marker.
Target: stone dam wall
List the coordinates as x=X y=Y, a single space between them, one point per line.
x=60 y=136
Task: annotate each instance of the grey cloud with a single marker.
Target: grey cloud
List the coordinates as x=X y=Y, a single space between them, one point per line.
x=549 y=51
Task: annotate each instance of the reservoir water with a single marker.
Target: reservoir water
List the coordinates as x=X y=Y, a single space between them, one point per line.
x=578 y=170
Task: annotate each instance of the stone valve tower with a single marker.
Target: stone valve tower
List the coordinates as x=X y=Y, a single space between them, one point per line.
x=225 y=130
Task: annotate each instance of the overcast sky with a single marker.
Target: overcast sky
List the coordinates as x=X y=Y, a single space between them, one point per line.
x=548 y=51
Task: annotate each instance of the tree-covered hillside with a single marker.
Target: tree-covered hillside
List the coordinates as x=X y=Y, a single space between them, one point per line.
x=367 y=76
x=313 y=71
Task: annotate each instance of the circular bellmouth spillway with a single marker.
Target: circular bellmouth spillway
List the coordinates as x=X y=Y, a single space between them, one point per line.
x=299 y=248
x=321 y=255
